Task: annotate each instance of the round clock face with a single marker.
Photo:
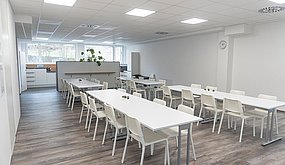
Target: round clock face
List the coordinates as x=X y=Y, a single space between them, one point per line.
x=223 y=44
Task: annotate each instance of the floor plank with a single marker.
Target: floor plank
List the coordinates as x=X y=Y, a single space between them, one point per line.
x=49 y=133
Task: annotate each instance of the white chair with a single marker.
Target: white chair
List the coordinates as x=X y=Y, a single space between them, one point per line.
x=105 y=85
x=233 y=108
x=196 y=86
x=134 y=88
x=160 y=89
x=208 y=103
x=262 y=114
x=122 y=90
x=96 y=81
x=85 y=107
x=145 y=137
x=211 y=88
x=173 y=132
x=98 y=114
x=64 y=88
x=159 y=101
x=137 y=94
x=187 y=97
x=168 y=95
x=237 y=92
x=112 y=120
x=73 y=94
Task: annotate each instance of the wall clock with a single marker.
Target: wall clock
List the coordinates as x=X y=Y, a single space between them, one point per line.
x=223 y=44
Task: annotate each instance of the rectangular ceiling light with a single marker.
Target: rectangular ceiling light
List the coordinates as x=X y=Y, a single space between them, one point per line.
x=61 y=2
x=278 y=1
x=77 y=40
x=107 y=42
x=194 y=21
x=89 y=35
x=41 y=39
x=140 y=12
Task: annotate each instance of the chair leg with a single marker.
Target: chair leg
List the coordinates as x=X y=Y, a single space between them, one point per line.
x=81 y=114
x=254 y=126
x=261 y=128
x=67 y=98
x=151 y=149
x=235 y=127
x=221 y=122
x=200 y=113
x=73 y=98
x=125 y=148
x=241 y=130
x=115 y=141
x=87 y=118
x=90 y=121
x=214 y=124
x=170 y=104
x=104 y=136
x=228 y=122
x=95 y=129
x=142 y=156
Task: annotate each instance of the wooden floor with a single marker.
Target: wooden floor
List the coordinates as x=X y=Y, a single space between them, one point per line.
x=49 y=134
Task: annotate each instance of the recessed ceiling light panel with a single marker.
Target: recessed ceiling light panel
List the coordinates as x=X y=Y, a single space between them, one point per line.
x=61 y=2
x=140 y=12
x=278 y=1
x=194 y=21
x=77 y=40
x=271 y=9
x=41 y=39
x=107 y=42
x=89 y=35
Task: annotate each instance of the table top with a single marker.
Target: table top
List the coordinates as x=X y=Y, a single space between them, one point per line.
x=150 y=114
x=247 y=100
x=82 y=83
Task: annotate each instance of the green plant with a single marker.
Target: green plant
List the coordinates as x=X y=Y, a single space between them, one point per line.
x=92 y=57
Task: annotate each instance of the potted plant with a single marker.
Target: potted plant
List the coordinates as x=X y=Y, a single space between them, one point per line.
x=92 y=57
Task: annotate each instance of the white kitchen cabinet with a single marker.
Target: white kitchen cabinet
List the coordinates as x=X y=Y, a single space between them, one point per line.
x=40 y=78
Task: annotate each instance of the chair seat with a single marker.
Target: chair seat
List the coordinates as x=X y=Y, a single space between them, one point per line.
x=173 y=132
x=101 y=114
x=238 y=115
x=257 y=113
x=99 y=106
x=151 y=137
x=76 y=94
x=212 y=109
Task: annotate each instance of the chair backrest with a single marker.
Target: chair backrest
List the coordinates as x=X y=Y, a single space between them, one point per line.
x=134 y=126
x=105 y=85
x=268 y=97
x=196 y=86
x=187 y=94
x=137 y=94
x=237 y=92
x=186 y=109
x=71 y=89
x=162 y=81
x=159 y=101
x=133 y=85
x=234 y=106
x=208 y=101
x=83 y=97
x=166 y=91
x=110 y=114
x=92 y=105
x=211 y=88
x=122 y=90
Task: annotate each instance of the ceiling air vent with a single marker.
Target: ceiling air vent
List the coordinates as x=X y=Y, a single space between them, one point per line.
x=161 y=33
x=88 y=26
x=272 y=9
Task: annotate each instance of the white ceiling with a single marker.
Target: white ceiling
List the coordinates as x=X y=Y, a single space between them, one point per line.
x=60 y=23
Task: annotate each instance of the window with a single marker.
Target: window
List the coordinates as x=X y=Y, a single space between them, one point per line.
x=50 y=52
x=110 y=53
x=106 y=51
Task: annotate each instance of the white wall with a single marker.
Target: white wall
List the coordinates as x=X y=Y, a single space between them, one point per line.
x=10 y=104
x=259 y=61
x=255 y=62
x=181 y=61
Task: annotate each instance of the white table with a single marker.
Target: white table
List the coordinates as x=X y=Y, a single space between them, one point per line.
x=150 y=114
x=83 y=84
x=268 y=105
